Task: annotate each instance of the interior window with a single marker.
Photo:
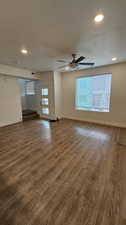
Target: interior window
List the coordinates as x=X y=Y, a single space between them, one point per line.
x=29 y=88
x=44 y=91
x=45 y=101
x=45 y=110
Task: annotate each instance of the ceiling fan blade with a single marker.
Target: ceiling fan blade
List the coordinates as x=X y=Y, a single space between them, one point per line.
x=73 y=61
x=74 y=58
x=61 y=61
x=79 y=59
x=87 y=64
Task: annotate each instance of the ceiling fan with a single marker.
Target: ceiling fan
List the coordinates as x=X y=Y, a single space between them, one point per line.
x=75 y=62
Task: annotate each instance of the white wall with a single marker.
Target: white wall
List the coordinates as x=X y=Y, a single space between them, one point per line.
x=117 y=114
x=58 y=93
x=10 y=102
x=62 y=96
x=13 y=71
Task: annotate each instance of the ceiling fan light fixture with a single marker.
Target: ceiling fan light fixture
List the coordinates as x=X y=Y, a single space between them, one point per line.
x=24 y=51
x=114 y=59
x=67 y=68
x=99 y=18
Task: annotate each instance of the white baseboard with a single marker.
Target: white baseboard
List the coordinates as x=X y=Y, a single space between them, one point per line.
x=97 y=122
x=10 y=123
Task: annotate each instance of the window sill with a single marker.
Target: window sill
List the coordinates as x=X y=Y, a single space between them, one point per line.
x=91 y=110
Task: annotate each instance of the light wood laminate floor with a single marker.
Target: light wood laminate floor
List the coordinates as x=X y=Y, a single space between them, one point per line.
x=63 y=173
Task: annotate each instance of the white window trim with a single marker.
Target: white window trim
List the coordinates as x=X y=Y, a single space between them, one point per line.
x=92 y=109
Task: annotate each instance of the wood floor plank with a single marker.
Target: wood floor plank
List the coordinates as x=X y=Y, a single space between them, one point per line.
x=62 y=173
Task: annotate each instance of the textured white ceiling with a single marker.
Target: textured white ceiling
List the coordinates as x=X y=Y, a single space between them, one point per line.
x=54 y=29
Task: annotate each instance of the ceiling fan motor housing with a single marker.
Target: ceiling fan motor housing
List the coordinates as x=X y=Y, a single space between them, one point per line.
x=73 y=65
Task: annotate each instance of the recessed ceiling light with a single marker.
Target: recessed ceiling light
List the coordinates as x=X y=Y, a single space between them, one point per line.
x=99 y=18
x=24 y=51
x=114 y=59
x=67 y=68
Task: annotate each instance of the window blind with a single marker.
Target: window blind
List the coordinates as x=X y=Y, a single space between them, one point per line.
x=93 y=93
x=30 y=89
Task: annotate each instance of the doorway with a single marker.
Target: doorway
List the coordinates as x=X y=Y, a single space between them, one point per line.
x=28 y=99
